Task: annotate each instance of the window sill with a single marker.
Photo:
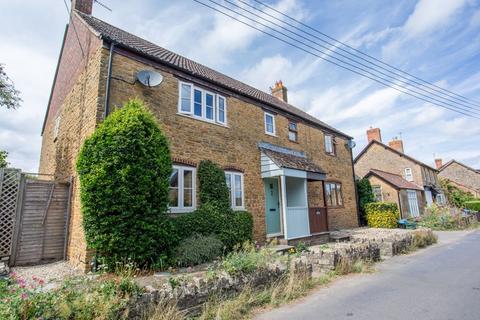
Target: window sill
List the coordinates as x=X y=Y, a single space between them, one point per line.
x=180 y=210
x=202 y=120
x=330 y=154
x=270 y=134
x=238 y=208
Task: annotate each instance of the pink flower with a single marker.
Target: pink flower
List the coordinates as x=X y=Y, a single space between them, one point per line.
x=24 y=296
x=41 y=282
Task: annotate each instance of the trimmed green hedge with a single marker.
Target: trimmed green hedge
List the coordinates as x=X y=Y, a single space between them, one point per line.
x=473 y=205
x=213 y=186
x=124 y=170
x=382 y=215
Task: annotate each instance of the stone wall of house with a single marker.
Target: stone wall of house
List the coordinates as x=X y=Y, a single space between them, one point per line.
x=389 y=193
x=463 y=177
x=235 y=145
x=78 y=103
x=378 y=157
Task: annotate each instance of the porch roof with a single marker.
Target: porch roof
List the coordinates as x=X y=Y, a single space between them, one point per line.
x=394 y=179
x=292 y=161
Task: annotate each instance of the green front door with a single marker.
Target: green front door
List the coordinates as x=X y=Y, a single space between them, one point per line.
x=272 y=206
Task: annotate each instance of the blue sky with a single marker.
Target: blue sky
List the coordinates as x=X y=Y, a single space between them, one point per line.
x=437 y=40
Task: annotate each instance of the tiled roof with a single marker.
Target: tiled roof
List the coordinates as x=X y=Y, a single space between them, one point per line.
x=394 y=179
x=152 y=51
x=291 y=161
x=392 y=150
x=459 y=163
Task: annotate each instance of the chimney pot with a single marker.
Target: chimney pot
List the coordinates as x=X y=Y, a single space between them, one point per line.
x=396 y=144
x=438 y=163
x=374 y=134
x=84 y=6
x=279 y=91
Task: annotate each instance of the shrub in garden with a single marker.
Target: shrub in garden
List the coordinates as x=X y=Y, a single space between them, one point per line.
x=247 y=259
x=473 y=205
x=124 y=170
x=198 y=249
x=213 y=186
x=440 y=218
x=455 y=196
x=382 y=214
x=365 y=196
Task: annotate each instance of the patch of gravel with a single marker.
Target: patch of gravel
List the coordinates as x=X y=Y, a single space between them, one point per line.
x=51 y=274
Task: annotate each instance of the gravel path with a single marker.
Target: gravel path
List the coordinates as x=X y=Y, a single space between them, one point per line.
x=51 y=274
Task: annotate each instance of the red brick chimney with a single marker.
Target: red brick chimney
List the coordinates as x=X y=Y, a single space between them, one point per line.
x=279 y=91
x=84 y=6
x=374 y=134
x=438 y=163
x=396 y=144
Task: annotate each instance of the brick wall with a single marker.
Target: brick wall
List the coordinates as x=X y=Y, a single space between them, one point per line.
x=377 y=157
x=78 y=101
x=389 y=193
x=236 y=145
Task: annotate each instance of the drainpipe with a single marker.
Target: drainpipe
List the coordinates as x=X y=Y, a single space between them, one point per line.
x=109 y=77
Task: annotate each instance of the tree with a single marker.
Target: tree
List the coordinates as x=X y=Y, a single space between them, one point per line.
x=3 y=159
x=124 y=170
x=365 y=196
x=9 y=96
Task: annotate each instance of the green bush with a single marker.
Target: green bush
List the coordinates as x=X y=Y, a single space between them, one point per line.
x=382 y=215
x=198 y=249
x=473 y=205
x=440 y=218
x=124 y=170
x=455 y=196
x=230 y=227
x=365 y=196
x=247 y=259
x=213 y=186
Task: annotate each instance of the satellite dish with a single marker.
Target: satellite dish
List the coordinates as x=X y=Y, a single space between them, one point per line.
x=149 y=78
x=351 y=144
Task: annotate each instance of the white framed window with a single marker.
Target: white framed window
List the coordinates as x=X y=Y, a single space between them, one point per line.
x=235 y=186
x=186 y=97
x=408 y=174
x=333 y=192
x=221 y=110
x=377 y=193
x=182 y=189
x=202 y=104
x=56 y=128
x=413 y=203
x=269 y=123
x=292 y=131
x=329 y=144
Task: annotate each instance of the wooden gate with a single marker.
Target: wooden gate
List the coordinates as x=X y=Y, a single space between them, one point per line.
x=40 y=223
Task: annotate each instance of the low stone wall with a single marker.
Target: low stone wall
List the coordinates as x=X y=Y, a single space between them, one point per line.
x=391 y=242
x=189 y=293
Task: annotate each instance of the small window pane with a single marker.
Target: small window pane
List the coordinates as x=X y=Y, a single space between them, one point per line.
x=186 y=98
x=174 y=179
x=209 y=106
x=173 y=197
x=238 y=190
x=187 y=179
x=269 y=127
x=197 y=98
x=292 y=136
x=292 y=126
x=221 y=110
x=188 y=198
x=328 y=144
x=339 y=195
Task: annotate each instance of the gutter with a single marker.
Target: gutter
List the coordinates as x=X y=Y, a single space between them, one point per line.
x=109 y=77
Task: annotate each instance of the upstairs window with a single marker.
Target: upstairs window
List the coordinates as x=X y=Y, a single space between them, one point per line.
x=408 y=174
x=235 y=186
x=269 y=124
x=333 y=191
x=182 y=189
x=202 y=104
x=292 y=131
x=329 y=145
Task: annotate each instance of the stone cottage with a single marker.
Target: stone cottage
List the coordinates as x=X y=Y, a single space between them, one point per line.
x=397 y=177
x=293 y=172
x=460 y=175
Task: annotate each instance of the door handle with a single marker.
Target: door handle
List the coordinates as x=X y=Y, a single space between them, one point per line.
x=273 y=209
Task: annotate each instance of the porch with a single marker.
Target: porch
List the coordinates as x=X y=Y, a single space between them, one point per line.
x=295 y=200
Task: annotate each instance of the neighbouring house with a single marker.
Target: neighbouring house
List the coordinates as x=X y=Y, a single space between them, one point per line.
x=293 y=172
x=397 y=177
x=460 y=175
